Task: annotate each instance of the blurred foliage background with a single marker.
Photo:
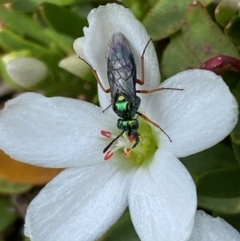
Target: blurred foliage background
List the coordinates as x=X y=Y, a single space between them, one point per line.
x=186 y=35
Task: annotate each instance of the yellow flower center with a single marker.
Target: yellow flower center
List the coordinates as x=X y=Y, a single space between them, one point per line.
x=141 y=153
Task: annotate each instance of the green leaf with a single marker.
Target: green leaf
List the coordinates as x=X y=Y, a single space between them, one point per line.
x=7 y=214
x=139 y=8
x=236 y=149
x=235 y=135
x=82 y=9
x=8 y=187
x=236 y=131
x=60 y=2
x=23 y=25
x=178 y=57
x=193 y=46
x=225 y=11
x=223 y=183
x=232 y=30
x=214 y=158
x=27 y=239
x=63 y=20
x=231 y=78
x=13 y=42
x=7 y=1
x=165 y=17
x=72 y=86
x=24 y=6
x=64 y=42
x=219 y=190
x=222 y=205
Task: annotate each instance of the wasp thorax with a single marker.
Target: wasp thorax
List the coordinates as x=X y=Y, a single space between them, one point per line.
x=137 y=147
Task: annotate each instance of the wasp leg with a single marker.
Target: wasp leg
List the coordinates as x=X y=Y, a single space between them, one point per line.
x=155 y=90
x=96 y=76
x=109 y=145
x=153 y=123
x=141 y=82
x=135 y=144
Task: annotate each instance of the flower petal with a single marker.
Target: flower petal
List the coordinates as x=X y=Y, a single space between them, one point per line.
x=196 y=118
x=53 y=132
x=207 y=228
x=162 y=200
x=103 y=23
x=79 y=204
x=78 y=46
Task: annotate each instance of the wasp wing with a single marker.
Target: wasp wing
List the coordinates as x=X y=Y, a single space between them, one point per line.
x=121 y=68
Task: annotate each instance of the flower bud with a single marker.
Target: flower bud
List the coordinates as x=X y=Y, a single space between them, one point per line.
x=75 y=66
x=26 y=71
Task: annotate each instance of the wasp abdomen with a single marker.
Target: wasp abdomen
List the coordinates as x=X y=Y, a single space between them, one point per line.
x=127 y=125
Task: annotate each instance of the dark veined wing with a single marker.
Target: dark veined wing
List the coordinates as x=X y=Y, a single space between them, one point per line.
x=121 y=68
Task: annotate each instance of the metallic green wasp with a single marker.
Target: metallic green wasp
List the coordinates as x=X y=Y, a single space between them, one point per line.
x=122 y=78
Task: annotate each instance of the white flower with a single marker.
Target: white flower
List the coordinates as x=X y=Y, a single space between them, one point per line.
x=83 y=201
x=207 y=228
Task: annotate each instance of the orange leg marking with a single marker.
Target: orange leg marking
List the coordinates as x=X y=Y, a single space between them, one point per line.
x=141 y=82
x=155 y=90
x=96 y=76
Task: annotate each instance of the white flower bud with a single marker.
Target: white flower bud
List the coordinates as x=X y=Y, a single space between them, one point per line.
x=26 y=71
x=75 y=66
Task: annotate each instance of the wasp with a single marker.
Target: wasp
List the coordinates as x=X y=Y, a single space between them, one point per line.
x=122 y=78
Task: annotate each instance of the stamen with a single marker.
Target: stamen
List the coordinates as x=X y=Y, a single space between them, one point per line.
x=107 y=134
x=134 y=148
x=123 y=142
x=127 y=152
x=108 y=155
x=126 y=143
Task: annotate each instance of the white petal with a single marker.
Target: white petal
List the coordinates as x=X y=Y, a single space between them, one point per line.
x=207 y=228
x=162 y=200
x=196 y=118
x=79 y=204
x=26 y=71
x=103 y=23
x=78 y=45
x=54 y=132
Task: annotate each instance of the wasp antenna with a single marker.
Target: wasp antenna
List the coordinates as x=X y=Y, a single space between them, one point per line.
x=109 y=145
x=165 y=134
x=107 y=108
x=153 y=123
